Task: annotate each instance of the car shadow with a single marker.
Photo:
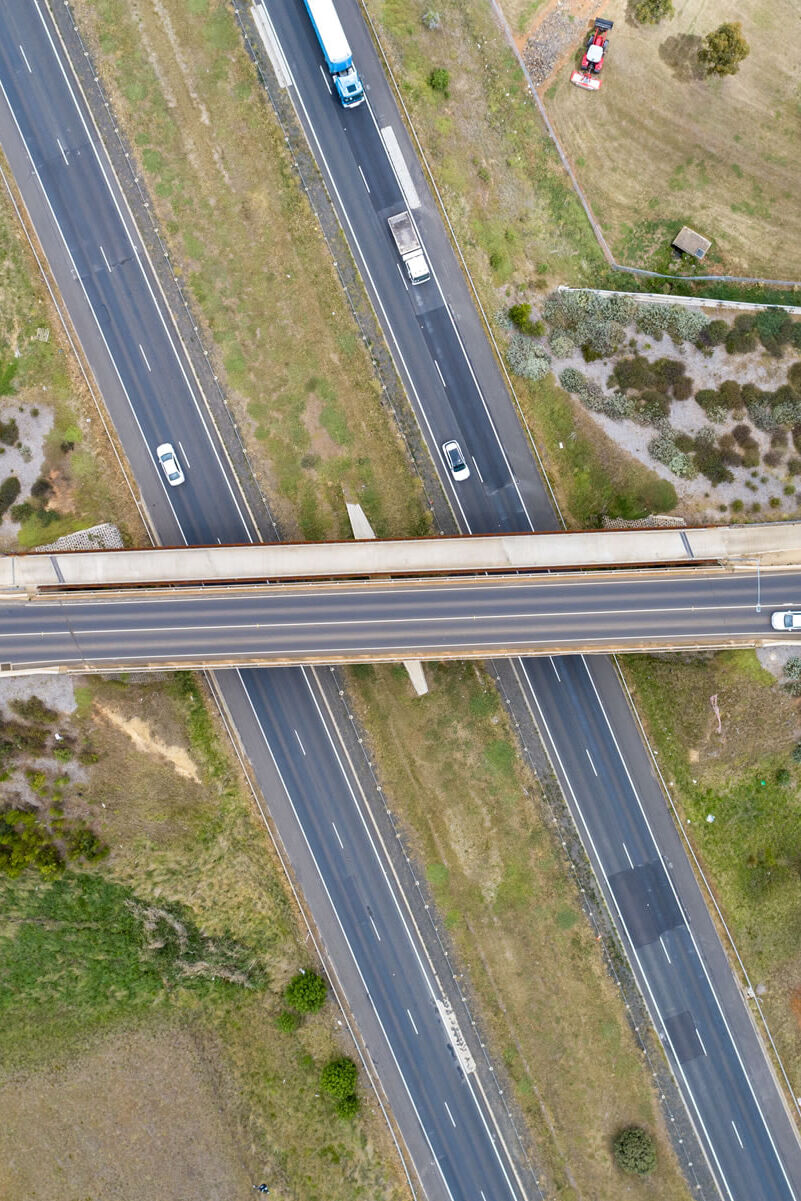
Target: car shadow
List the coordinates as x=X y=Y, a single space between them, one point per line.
x=680 y=53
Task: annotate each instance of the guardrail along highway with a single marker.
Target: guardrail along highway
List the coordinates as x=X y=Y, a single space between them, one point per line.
x=452 y=1121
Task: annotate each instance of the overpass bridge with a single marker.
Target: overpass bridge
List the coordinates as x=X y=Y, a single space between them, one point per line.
x=363 y=602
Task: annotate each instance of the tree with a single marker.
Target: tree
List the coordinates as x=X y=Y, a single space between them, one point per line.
x=724 y=49
x=439 y=81
x=635 y=1151
x=306 y=992
x=338 y=1078
x=651 y=12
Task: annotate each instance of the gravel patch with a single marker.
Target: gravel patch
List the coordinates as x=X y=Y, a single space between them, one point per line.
x=773 y=658
x=25 y=460
x=56 y=691
x=558 y=31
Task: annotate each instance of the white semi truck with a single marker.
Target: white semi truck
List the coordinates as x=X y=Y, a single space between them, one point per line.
x=405 y=237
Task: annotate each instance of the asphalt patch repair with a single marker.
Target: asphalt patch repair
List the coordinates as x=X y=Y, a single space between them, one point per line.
x=646 y=902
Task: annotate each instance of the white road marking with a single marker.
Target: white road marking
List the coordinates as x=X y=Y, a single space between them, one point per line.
x=592 y=765
x=664 y=948
x=478 y=469
x=375 y=927
x=324 y=74
x=439 y=373
x=737 y=1134
x=144 y=356
x=271 y=44
x=403 y=276
x=450 y=1115
x=555 y=672
x=63 y=152
x=628 y=856
x=300 y=744
x=701 y=1041
x=339 y=840
x=364 y=178
x=411 y=1019
x=25 y=59
x=184 y=455
x=105 y=259
x=402 y=173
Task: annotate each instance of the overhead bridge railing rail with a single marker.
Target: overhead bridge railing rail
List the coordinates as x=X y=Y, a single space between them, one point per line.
x=774 y=543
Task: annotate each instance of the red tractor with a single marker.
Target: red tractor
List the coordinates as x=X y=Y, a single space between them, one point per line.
x=588 y=75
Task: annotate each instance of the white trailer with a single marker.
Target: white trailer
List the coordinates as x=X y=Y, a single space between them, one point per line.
x=405 y=237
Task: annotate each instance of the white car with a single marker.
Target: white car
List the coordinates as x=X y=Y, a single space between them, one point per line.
x=455 y=460
x=169 y=464
x=786 y=619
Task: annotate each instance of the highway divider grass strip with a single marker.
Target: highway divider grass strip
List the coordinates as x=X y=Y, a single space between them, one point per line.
x=475 y=821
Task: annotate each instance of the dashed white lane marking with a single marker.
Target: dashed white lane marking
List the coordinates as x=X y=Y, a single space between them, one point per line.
x=339 y=840
x=450 y=1115
x=701 y=1041
x=300 y=744
x=325 y=77
x=25 y=60
x=592 y=765
x=411 y=1019
x=63 y=152
x=439 y=373
x=478 y=469
x=364 y=178
x=105 y=258
x=375 y=927
x=403 y=276
x=144 y=356
x=628 y=856
x=664 y=948
x=737 y=1134
x=184 y=455
x=555 y=672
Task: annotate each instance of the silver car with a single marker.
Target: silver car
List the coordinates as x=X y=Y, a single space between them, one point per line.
x=786 y=619
x=169 y=464
x=455 y=460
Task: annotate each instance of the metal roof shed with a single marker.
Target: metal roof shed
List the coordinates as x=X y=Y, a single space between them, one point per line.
x=689 y=242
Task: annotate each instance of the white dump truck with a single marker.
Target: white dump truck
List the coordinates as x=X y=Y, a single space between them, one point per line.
x=405 y=237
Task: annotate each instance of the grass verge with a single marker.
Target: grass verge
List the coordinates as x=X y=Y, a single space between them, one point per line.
x=184 y=936
x=743 y=776
x=479 y=828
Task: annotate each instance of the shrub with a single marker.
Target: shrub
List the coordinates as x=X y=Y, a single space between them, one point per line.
x=440 y=80
x=741 y=433
x=794 y=374
x=713 y=334
x=775 y=502
x=635 y=1151
x=724 y=49
x=347 y=1107
x=772 y=458
x=41 y=488
x=633 y=373
x=651 y=12
x=560 y=343
x=589 y=353
x=683 y=388
x=709 y=460
x=526 y=358
x=63 y=753
x=572 y=379
x=730 y=393
x=782 y=776
x=779 y=438
x=707 y=398
x=795 y=754
x=27 y=842
x=751 y=453
x=737 y=505
x=83 y=843
x=288 y=1021
x=9 y=491
x=9 y=432
x=22 y=512
x=520 y=317
x=683 y=441
x=794 y=466
x=740 y=342
x=338 y=1078
x=652 y=406
x=431 y=19
x=591 y=320
x=664 y=450
x=306 y=992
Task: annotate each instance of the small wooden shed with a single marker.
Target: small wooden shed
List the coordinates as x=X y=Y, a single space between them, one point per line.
x=687 y=241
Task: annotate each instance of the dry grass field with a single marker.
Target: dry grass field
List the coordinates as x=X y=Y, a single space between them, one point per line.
x=658 y=147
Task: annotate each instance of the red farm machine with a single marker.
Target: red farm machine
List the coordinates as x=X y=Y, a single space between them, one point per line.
x=588 y=74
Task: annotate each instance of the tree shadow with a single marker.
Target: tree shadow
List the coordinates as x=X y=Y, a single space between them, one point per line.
x=680 y=53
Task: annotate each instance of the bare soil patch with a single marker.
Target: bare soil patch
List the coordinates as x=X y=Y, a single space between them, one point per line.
x=146 y=740
x=160 y=1131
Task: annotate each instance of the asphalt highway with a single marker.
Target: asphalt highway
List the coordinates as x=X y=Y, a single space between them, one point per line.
x=281 y=716
x=322 y=624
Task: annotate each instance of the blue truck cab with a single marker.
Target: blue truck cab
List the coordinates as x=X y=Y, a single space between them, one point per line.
x=336 y=51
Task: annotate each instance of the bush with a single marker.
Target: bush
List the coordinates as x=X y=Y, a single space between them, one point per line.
x=779 y=439
x=9 y=491
x=520 y=317
x=572 y=379
x=41 y=488
x=794 y=374
x=651 y=12
x=439 y=81
x=772 y=458
x=560 y=343
x=288 y=1021
x=709 y=461
x=724 y=49
x=795 y=754
x=740 y=342
x=794 y=466
x=22 y=512
x=590 y=320
x=664 y=450
x=9 y=432
x=338 y=1078
x=741 y=433
x=83 y=843
x=348 y=1107
x=782 y=776
x=635 y=1151
x=707 y=398
x=737 y=505
x=431 y=19
x=652 y=406
x=683 y=388
x=526 y=358
x=712 y=335
x=633 y=373
x=306 y=992
x=730 y=393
